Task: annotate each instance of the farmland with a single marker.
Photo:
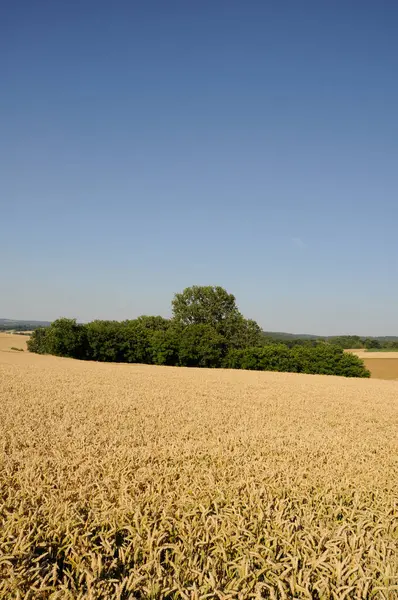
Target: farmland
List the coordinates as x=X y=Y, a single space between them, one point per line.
x=382 y=364
x=133 y=481
x=383 y=368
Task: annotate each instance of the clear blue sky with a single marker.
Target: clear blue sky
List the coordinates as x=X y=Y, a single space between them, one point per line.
x=148 y=146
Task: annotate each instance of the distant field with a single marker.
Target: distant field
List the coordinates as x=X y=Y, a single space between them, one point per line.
x=131 y=481
x=383 y=368
x=382 y=365
x=375 y=353
x=9 y=340
x=380 y=350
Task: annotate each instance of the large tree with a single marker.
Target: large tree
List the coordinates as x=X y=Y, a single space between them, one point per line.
x=204 y=305
x=241 y=332
x=214 y=306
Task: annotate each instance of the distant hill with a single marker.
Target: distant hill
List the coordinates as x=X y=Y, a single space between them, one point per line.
x=21 y=324
x=281 y=335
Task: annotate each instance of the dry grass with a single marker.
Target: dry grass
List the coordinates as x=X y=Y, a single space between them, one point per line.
x=152 y=482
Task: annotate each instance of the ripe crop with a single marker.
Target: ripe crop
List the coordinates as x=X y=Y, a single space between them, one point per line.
x=122 y=481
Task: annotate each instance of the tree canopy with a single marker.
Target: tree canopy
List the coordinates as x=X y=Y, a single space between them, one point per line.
x=204 y=305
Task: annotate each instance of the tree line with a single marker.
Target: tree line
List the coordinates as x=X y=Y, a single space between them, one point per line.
x=206 y=330
x=354 y=342
x=16 y=328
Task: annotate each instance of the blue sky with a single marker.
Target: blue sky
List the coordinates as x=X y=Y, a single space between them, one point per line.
x=149 y=146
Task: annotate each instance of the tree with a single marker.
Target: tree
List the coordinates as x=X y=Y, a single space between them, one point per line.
x=204 y=305
x=137 y=341
x=38 y=342
x=372 y=344
x=164 y=346
x=268 y=358
x=105 y=341
x=240 y=332
x=152 y=323
x=65 y=337
x=322 y=359
x=200 y=346
x=214 y=306
x=346 y=341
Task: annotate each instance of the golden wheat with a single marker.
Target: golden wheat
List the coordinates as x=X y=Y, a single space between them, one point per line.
x=143 y=482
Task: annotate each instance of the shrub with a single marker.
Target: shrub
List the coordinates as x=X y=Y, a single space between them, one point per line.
x=277 y=357
x=200 y=346
x=322 y=359
x=328 y=360
x=164 y=346
x=104 y=341
x=65 y=337
x=38 y=341
x=137 y=342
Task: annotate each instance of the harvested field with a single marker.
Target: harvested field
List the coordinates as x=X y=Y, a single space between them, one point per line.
x=370 y=355
x=382 y=365
x=9 y=340
x=123 y=481
x=382 y=368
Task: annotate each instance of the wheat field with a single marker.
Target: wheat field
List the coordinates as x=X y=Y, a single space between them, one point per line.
x=140 y=482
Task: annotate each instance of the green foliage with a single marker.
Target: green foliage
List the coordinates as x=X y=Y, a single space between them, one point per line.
x=204 y=305
x=164 y=346
x=389 y=345
x=342 y=341
x=22 y=327
x=392 y=348
x=352 y=366
x=329 y=360
x=207 y=330
x=137 y=336
x=38 y=341
x=346 y=341
x=152 y=323
x=266 y=358
x=326 y=360
x=65 y=337
x=215 y=307
x=292 y=342
x=200 y=345
x=105 y=341
x=372 y=344
x=240 y=332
